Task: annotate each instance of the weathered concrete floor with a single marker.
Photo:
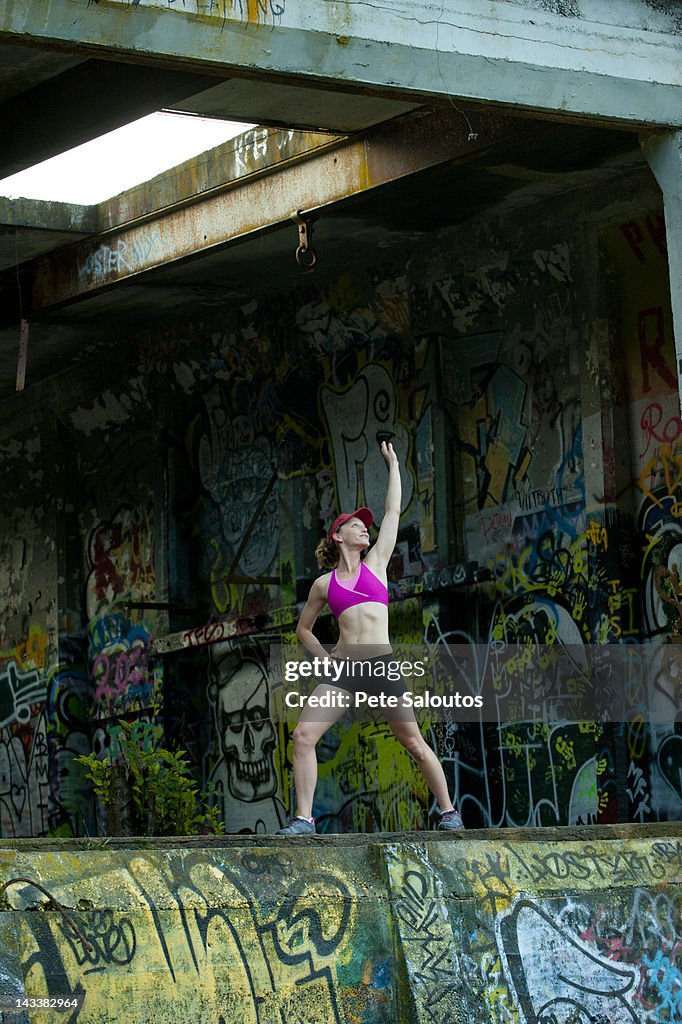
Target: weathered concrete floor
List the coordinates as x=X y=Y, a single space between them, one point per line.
x=480 y=926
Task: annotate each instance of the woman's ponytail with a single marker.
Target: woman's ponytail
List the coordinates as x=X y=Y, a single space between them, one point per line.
x=326 y=554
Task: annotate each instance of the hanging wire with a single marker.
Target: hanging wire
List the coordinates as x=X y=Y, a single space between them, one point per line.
x=472 y=136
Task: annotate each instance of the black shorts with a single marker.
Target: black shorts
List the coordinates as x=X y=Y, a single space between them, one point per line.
x=374 y=676
x=380 y=678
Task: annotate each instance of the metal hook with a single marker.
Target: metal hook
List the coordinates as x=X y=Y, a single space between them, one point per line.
x=305 y=254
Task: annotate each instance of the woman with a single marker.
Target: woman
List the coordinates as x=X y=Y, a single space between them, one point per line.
x=357 y=593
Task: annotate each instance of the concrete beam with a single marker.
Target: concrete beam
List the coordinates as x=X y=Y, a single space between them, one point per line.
x=30 y=227
x=664 y=154
x=263 y=200
x=621 y=64
x=41 y=215
x=286 y=105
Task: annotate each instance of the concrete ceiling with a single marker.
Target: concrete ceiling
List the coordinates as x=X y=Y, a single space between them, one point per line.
x=438 y=168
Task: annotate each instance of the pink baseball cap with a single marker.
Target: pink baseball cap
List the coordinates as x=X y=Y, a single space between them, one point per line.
x=363 y=514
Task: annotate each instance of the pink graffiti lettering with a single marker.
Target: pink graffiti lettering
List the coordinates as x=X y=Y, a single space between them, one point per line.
x=493 y=523
x=116 y=672
x=651 y=334
x=650 y=423
x=655 y=225
x=634 y=236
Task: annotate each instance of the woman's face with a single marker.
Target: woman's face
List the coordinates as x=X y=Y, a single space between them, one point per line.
x=354 y=533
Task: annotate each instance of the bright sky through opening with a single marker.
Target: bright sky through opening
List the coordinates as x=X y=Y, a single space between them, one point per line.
x=121 y=159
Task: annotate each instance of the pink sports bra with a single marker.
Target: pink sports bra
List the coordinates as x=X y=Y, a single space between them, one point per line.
x=366 y=587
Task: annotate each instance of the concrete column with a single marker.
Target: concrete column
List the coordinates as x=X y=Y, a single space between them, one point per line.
x=664 y=153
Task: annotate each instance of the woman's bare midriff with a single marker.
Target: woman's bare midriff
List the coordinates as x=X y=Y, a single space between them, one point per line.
x=364 y=625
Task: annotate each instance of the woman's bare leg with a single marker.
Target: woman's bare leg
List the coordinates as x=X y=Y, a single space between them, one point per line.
x=306 y=736
x=409 y=735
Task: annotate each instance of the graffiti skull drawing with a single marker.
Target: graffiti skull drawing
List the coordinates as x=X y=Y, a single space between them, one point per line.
x=247 y=737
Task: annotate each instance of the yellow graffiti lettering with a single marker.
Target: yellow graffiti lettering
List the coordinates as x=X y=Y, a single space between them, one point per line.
x=597 y=535
x=565 y=747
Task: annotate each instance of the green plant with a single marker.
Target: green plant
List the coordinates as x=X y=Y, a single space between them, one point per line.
x=100 y=774
x=164 y=795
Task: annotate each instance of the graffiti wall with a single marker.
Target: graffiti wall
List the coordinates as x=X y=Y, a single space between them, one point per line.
x=450 y=929
x=205 y=472
x=28 y=634
x=637 y=248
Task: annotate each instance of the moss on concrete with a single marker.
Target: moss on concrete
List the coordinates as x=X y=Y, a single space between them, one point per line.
x=409 y=927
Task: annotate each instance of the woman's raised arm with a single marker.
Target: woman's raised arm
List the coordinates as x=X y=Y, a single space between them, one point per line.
x=388 y=532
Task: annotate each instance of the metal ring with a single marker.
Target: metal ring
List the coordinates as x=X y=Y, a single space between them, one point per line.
x=306 y=257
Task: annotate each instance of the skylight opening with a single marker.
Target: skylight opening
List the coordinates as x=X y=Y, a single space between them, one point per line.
x=121 y=159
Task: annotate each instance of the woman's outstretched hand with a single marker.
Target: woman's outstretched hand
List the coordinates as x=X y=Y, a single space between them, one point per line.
x=389 y=454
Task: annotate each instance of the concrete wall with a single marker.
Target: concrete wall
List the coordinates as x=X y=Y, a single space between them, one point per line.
x=524 y=365
x=489 y=927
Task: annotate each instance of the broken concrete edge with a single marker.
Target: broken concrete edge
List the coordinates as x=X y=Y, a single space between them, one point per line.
x=545 y=834
x=47 y=215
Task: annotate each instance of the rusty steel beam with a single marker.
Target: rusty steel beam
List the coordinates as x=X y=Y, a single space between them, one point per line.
x=255 y=151
x=211 y=633
x=460 y=575
x=318 y=180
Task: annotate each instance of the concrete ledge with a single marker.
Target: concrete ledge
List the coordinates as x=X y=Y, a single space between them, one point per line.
x=561 y=833
x=408 y=927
